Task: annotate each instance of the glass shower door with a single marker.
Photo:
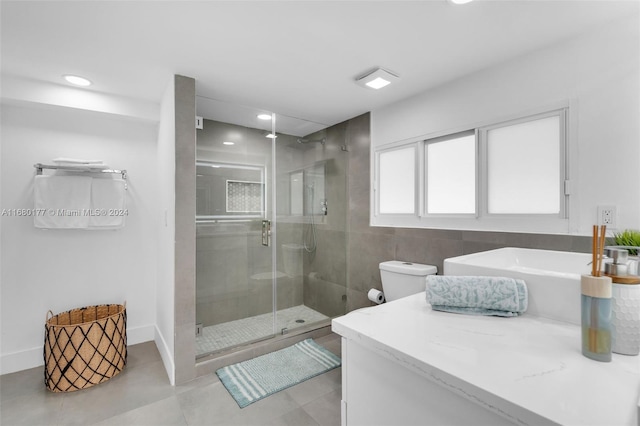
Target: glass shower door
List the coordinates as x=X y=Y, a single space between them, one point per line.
x=235 y=252
x=245 y=291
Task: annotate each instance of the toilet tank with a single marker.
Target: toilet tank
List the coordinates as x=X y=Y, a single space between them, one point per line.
x=401 y=279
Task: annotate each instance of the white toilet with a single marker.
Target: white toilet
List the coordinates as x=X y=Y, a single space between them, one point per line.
x=402 y=279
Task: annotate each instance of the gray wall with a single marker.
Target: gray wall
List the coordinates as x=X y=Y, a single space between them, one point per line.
x=185 y=229
x=368 y=246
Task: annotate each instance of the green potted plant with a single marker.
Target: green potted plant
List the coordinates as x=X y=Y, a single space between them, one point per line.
x=628 y=237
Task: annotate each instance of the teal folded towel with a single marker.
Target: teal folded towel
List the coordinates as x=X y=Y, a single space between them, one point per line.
x=499 y=296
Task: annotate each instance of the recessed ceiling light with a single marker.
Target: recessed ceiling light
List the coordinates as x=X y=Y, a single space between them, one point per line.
x=460 y=1
x=228 y=143
x=271 y=136
x=264 y=116
x=377 y=79
x=77 y=80
x=378 y=83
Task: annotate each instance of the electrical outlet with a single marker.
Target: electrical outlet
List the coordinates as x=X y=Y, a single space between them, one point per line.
x=607 y=215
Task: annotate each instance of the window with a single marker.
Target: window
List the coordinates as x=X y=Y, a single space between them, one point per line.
x=451 y=174
x=397 y=181
x=523 y=167
x=508 y=176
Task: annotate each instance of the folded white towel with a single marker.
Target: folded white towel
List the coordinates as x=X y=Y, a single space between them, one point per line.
x=66 y=160
x=84 y=167
x=62 y=201
x=108 y=203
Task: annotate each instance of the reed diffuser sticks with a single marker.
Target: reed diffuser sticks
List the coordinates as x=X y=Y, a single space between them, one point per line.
x=597 y=249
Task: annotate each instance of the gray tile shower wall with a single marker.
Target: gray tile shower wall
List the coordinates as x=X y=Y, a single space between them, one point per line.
x=368 y=246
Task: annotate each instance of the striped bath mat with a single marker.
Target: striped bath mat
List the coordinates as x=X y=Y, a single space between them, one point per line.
x=250 y=381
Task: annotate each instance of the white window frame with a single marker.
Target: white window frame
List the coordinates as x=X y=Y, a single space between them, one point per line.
x=424 y=212
x=418 y=170
x=563 y=167
x=482 y=220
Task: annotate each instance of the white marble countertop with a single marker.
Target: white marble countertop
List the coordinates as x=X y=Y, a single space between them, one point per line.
x=528 y=369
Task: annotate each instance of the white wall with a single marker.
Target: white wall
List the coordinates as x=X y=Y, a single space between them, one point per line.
x=165 y=252
x=597 y=74
x=17 y=89
x=64 y=269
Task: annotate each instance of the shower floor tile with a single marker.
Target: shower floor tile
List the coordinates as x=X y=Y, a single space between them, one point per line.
x=234 y=333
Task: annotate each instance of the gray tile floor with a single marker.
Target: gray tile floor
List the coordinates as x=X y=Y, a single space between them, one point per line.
x=142 y=395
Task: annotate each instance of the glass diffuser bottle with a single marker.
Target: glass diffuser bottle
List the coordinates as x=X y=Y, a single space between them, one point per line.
x=596 y=317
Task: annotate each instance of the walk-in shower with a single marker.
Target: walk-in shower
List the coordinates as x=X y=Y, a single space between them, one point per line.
x=267 y=259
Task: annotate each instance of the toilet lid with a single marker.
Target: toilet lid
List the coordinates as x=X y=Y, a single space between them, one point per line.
x=408 y=268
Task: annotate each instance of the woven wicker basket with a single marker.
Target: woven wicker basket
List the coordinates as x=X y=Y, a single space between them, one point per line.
x=84 y=347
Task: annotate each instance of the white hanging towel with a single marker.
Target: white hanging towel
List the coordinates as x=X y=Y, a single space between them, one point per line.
x=108 y=204
x=61 y=202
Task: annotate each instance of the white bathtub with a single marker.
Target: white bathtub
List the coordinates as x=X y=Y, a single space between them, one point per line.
x=552 y=277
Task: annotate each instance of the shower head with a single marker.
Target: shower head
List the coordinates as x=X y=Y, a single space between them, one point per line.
x=305 y=141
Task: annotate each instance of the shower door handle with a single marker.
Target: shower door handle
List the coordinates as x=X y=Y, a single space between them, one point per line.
x=266 y=233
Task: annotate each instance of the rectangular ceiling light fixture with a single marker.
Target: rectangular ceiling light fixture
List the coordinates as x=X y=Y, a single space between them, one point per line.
x=377 y=79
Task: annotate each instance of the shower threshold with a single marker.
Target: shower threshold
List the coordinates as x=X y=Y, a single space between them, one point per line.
x=223 y=336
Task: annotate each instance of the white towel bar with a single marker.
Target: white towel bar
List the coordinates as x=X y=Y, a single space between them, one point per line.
x=80 y=169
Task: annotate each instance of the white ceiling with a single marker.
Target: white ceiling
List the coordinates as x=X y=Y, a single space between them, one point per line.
x=296 y=58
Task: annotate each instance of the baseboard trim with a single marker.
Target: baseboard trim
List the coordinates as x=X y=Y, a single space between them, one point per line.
x=166 y=355
x=31 y=358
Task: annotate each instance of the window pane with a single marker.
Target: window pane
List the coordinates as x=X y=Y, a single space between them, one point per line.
x=524 y=167
x=397 y=181
x=451 y=176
